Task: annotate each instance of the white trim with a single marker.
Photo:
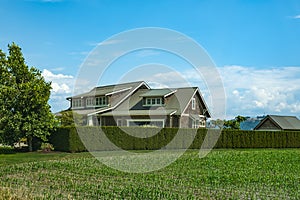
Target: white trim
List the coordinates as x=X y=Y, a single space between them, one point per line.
x=90 y=121
x=172 y=92
x=206 y=107
x=206 y=110
x=81 y=103
x=151 y=101
x=86 y=102
x=114 y=92
x=96 y=112
x=172 y=113
x=189 y=101
x=193 y=101
x=118 y=122
x=102 y=98
x=146 y=120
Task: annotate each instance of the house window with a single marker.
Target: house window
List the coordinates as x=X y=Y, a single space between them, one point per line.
x=193 y=103
x=202 y=123
x=101 y=101
x=146 y=122
x=77 y=103
x=90 y=102
x=158 y=101
x=195 y=124
x=153 y=102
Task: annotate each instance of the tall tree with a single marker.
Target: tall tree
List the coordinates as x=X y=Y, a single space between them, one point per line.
x=235 y=123
x=24 y=96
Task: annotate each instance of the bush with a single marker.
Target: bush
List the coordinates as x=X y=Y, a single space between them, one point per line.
x=7 y=150
x=66 y=139
x=149 y=138
x=47 y=147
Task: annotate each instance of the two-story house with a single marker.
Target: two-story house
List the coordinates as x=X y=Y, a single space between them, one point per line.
x=136 y=104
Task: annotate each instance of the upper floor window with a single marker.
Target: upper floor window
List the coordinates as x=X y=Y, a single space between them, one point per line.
x=153 y=102
x=101 y=101
x=193 y=103
x=77 y=103
x=90 y=101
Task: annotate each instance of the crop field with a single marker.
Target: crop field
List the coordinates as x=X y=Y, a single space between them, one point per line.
x=223 y=174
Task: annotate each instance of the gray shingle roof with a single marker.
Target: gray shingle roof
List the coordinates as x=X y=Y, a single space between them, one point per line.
x=104 y=90
x=157 y=92
x=131 y=99
x=284 y=122
x=177 y=102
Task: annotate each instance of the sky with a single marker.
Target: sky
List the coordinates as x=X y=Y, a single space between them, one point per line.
x=255 y=45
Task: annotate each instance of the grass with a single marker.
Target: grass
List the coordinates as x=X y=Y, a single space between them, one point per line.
x=223 y=174
x=8 y=159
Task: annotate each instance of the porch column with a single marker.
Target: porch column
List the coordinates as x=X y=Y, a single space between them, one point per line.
x=90 y=121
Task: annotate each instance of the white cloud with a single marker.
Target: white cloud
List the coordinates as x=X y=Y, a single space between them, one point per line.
x=61 y=88
x=49 y=76
x=249 y=91
x=253 y=91
x=297 y=17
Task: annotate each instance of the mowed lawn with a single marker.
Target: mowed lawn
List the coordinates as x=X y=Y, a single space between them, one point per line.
x=223 y=174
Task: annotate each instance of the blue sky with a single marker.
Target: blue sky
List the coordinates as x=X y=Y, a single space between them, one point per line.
x=254 y=44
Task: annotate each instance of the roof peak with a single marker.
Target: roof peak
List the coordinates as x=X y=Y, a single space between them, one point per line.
x=283 y=116
x=119 y=84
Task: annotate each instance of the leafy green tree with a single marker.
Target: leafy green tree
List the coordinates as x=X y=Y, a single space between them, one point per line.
x=24 y=95
x=235 y=123
x=218 y=123
x=70 y=118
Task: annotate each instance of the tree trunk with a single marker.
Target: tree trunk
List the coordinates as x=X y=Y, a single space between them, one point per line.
x=29 y=139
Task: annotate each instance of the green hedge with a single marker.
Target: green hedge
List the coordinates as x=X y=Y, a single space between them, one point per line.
x=7 y=150
x=145 y=138
x=66 y=139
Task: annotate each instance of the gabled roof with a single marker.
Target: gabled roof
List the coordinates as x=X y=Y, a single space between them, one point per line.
x=125 y=90
x=282 y=122
x=129 y=98
x=178 y=100
x=110 y=89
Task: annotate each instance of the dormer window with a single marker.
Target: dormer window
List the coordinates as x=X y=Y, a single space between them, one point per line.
x=101 y=101
x=157 y=101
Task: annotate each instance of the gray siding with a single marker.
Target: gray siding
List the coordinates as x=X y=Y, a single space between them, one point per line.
x=268 y=125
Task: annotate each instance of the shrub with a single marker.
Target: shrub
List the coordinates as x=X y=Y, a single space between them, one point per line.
x=66 y=139
x=150 y=138
x=47 y=147
x=7 y=150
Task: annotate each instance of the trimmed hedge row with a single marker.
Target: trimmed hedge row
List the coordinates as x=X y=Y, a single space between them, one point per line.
x=7 y=150
x=145 y=138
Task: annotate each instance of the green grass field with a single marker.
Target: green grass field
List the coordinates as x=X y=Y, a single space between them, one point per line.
x=223 y=174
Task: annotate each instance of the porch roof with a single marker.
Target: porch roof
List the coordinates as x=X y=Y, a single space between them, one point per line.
x=158 y=112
